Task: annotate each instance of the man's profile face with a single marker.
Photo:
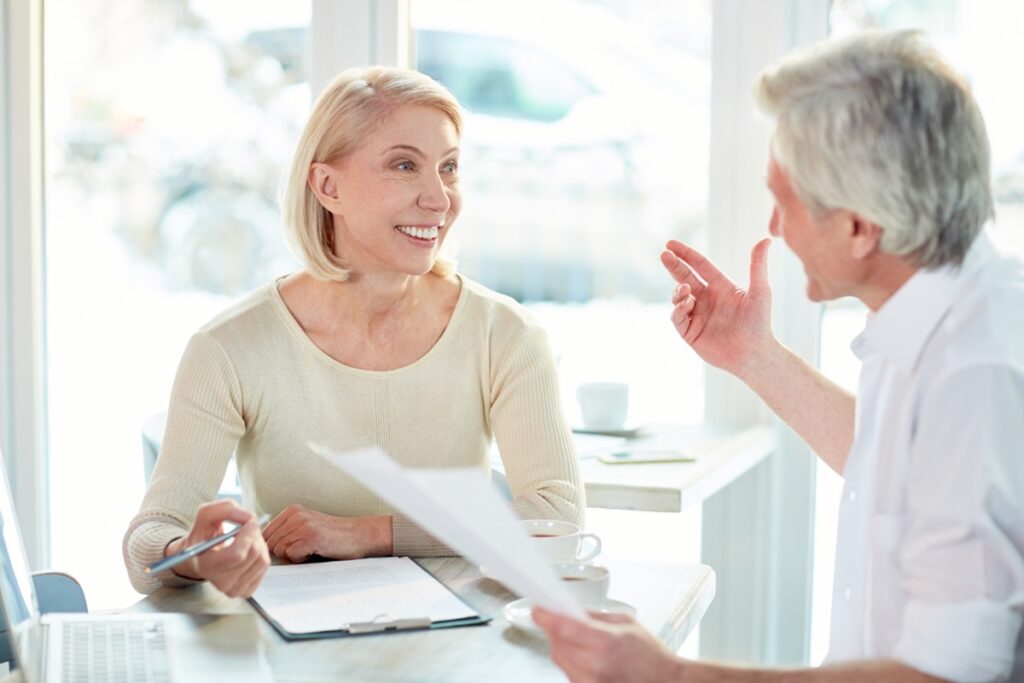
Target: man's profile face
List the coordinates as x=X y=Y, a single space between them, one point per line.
x=817 y=243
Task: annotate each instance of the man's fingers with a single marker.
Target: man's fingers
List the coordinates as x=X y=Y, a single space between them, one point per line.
x=612 y=618
x=705 y=269
x=544 y=618
x=681 y=272
x=681 y=293
x=759 y=265
x=569 y=662
x=681 y=315
x=565 y=629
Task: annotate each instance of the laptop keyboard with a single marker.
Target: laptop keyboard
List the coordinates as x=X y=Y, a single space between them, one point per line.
x=114 y=652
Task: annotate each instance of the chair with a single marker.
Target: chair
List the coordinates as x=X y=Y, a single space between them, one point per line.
x=56 y=592
x=153 y=434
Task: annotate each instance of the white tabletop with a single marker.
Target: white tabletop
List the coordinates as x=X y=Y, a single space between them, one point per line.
x=719 y=459
x=670 y=600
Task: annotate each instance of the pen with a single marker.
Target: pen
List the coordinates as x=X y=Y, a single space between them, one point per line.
x=190 y=552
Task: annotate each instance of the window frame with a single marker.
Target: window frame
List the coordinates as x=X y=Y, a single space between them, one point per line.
x=22 y=285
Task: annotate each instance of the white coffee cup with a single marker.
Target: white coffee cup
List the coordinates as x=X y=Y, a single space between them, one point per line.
x=588 y=582
x=604 y=405
x=561 y=541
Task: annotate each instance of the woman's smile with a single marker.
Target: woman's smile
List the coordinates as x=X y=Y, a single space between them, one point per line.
x=420 y=235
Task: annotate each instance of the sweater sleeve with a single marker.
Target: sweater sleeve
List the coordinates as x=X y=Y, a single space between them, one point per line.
x=533 y=438
x=204 y=424
x=409 y=539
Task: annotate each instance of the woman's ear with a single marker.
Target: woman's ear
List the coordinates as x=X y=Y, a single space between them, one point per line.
x=865 y=237
x=323 y=180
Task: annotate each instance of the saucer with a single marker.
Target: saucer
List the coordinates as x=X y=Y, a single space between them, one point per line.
x=626 y=431
x=518 y=613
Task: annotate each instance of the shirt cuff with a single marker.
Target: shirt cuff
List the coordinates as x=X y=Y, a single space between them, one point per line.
x=973 y=642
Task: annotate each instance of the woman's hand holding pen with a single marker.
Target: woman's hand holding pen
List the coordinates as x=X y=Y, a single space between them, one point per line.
x=235 y=567
x=299 y=533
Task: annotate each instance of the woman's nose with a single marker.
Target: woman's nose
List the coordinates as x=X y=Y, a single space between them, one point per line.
x=773 y=224
x=434 y=195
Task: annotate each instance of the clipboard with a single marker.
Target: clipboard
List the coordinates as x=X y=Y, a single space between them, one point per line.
x=383 y=623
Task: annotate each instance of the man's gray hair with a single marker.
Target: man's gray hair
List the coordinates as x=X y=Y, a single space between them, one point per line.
x=878 y=124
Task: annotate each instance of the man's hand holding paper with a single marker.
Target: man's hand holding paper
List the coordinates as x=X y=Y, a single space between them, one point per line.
x=459 y=507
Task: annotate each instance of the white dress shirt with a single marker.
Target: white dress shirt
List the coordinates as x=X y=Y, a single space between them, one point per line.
x=930 y=546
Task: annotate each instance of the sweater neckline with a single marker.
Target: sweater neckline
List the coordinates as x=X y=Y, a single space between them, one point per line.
x=296 y=329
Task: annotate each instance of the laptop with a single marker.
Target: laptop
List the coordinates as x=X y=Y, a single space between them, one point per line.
x=151 y=647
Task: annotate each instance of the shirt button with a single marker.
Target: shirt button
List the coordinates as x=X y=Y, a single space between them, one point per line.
x=847 y=593
x=853 y=496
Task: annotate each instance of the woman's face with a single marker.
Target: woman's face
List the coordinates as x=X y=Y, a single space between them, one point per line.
x=398 y=194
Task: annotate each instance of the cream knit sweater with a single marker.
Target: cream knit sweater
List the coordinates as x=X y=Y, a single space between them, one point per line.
x=253 y=384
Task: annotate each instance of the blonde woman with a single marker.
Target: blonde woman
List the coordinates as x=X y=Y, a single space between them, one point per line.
x=377 y=341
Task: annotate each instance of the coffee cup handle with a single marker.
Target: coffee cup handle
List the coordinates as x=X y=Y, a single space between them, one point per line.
x=594 y=552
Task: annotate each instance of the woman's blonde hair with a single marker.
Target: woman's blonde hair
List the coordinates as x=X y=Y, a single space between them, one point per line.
x=346 y=112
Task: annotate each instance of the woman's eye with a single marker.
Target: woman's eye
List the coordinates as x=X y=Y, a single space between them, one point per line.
x=451 y=168
x=405 y=166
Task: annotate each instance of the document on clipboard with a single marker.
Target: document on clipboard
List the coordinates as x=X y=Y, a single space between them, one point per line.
x=459 y=507
x=352 y=597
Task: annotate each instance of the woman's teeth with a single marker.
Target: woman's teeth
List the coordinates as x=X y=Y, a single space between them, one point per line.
x=419 y=233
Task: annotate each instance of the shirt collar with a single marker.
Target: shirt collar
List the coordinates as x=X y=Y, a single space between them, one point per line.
x=901 y=328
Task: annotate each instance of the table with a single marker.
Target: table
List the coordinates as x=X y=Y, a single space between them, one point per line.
x=670 y=600
x=721 y=457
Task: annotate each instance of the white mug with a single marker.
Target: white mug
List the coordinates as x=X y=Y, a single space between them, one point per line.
x=604 y=405
x=561 y=541
x=588 y=582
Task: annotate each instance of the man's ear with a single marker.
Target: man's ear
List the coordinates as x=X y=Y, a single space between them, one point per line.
x=865 y=236
x=323 y=179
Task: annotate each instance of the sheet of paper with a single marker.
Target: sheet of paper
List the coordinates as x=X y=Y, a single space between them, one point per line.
x=459 y=507
x=328 y=596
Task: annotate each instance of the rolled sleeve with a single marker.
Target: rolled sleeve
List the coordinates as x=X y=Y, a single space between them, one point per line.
x=973 y=642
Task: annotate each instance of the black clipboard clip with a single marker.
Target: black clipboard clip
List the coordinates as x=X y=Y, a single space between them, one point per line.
x=384 y=622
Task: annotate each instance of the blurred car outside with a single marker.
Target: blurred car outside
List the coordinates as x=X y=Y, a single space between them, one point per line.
x=585 y=144
x=584 y=149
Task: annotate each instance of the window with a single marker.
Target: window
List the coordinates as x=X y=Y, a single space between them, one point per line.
x=500 y=77
x=168 y=127
x=585 y=149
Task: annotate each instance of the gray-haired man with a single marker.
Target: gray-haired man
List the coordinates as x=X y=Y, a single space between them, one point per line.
x=880 y=173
